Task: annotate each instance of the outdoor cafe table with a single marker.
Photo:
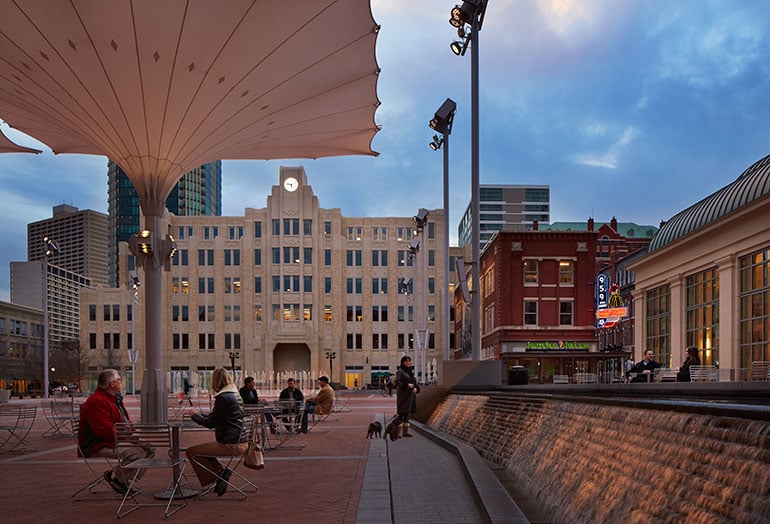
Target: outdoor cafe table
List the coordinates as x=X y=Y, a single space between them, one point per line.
x=176 y=452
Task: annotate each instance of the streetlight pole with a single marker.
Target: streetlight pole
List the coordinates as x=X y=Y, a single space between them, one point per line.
x=133 y=353
x=442 y=122
x=49 y=249
x=472 y=13
x=331 y=355
x=233 y=356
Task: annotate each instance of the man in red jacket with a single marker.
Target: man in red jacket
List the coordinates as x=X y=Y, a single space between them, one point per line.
x=96 y=437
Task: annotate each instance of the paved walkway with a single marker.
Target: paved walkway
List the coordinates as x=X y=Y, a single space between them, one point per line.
x=340 y=476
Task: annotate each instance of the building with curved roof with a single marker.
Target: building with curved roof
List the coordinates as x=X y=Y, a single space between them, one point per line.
x=706 y=279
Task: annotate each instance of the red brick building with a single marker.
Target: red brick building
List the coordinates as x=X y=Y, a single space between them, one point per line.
x=538 y=304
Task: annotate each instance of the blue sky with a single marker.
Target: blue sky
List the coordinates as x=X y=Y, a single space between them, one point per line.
x=634 y=109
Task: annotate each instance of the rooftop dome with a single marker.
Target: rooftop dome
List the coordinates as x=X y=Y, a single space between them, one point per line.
x=752 y=185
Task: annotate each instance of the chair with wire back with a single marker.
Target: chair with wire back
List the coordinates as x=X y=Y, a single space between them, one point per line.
x=59 y=414
x=97 y=486
x=129 y=437
x=231 y=462
x=16 y=421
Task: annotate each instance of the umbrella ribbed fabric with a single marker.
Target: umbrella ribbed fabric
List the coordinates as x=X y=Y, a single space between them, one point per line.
x=163 y=86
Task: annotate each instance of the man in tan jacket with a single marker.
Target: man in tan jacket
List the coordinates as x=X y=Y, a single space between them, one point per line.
x=321 y=404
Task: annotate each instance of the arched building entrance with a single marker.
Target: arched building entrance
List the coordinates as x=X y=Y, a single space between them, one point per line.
x=291 y=357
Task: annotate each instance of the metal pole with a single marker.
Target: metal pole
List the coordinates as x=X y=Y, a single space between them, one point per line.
x=475 y=194
x=45 y=319
x=423 y=306
x=445 y=289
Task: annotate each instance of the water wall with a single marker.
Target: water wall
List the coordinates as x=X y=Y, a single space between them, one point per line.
x=588 y=462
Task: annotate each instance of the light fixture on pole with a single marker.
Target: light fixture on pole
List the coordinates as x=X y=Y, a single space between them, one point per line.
x=468 y=19
x=50 y=249
x=234 y=355
x=442 y=122
x=153 y=251
x=331 y=355
x=405 y=285
x=133 y=352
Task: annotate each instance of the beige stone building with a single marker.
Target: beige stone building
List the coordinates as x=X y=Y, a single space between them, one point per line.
x=705 y=281
x=284 y=287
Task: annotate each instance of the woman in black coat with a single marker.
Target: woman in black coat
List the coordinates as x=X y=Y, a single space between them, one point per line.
x=683 y=375
x=406 y=393
x=226 y=419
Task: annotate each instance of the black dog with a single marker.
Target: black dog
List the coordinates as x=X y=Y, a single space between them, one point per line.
x=392 y=428
x=375 y=428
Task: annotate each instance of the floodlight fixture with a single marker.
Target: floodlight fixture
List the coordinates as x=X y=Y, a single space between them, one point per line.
x=414 y=245
x=443 y=118
x=421 y=218
x=135 y=282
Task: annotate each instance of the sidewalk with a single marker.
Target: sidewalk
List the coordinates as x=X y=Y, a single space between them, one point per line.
x=340 y=476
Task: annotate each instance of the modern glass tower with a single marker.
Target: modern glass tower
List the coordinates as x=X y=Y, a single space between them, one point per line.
x=199 y=192
x=507 y=207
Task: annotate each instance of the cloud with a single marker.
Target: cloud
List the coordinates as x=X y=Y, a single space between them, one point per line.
x=611 y=158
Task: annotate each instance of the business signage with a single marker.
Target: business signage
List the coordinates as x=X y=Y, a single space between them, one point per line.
x=559 y=345
x=609 y=303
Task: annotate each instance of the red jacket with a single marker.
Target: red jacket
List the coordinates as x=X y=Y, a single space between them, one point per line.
x=97 y=418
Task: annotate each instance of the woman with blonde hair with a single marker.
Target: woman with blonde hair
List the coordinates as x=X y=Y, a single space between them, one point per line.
x=226 y=419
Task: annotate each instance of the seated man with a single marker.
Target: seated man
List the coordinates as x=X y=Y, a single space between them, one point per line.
x=644 y=369
x=321 y=404
x=96 y=437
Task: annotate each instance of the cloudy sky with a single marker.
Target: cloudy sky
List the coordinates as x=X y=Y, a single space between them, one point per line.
x=627 y=108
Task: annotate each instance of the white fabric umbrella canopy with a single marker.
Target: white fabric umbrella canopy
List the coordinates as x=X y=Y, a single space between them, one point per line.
x=163 y=86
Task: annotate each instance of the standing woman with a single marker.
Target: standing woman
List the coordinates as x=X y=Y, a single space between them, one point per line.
x=227 y=421
x=406 y=393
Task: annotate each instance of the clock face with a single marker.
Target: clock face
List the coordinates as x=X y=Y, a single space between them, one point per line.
x=291 y=184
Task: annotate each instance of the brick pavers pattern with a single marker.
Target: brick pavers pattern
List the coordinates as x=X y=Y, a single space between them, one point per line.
x=323 y=481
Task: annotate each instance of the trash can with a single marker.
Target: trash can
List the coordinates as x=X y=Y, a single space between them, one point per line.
x=518 y=376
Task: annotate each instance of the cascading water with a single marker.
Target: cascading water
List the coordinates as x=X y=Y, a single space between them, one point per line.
x=586 y=462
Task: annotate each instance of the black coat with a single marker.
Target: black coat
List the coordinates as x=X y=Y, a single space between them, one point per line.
x=683 y=375
x=406 y=399
x=226 y=418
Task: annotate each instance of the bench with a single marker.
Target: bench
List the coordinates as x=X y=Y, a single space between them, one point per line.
x=586 y=378
x=665 y=374
x=760 y=370
x=704 y=374
x=561 y=379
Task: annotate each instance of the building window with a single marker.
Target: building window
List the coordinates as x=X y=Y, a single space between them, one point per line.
x=755 y=310
x=566 y=273
x=530 y=312
x=702 y=330
x=307 y=227
x=257 y=229
x=403 y=233
x=258 y=313
x=658 y=322
x=307 y=255
x=431 y=257
x=291 y=255
x=565 y=313
x=276 y=227
x=355 y=233
x=257 y=284
x=328 y=257
x=431 y=230
x=327 y=284
x=379 y=234
x=327 y=228
x=327 y=313
x=234 y=232
x=530 y=272
x=276 y=255
x=257 y=257
x=291 y=226
x=232 y=257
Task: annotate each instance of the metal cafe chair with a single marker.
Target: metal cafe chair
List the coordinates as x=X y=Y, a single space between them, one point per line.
x=231 y=462
x=59 y=415
x=98 y=484
x=15 y=423
x=156 y=437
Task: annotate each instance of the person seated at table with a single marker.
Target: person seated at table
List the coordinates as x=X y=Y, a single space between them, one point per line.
x=226 y=419
x=321 y=404
x=683 y=375
x=288 y=394
x=644 y=369
x=96 y=436
x=248 y=391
